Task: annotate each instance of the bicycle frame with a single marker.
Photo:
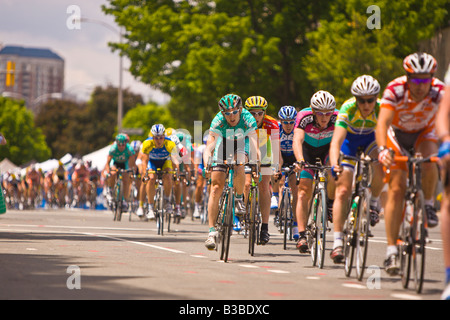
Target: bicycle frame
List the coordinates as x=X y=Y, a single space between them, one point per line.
x=413 y=231
x=357 y=225
x=317 y=226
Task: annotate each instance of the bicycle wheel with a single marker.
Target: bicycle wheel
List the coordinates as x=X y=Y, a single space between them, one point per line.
x=251 y=212
x=350 y=237
x=312 y=229
x=321 y=223
x=133 y=201
x=118 y=202
x=362 y=240
x=286 y=200
x=418 y=236
x=404 y=244
x=220 y=224
x=227 y=226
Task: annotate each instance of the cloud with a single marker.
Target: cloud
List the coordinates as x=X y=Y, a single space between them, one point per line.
x=88 y=59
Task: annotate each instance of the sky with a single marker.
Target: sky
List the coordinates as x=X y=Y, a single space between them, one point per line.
x=89 y=60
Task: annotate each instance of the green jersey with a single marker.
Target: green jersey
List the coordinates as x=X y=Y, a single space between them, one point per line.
x=350 y=118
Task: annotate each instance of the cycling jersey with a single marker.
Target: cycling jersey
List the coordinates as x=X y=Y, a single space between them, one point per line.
x=220 y=126
x=412 y=116
x=121 y=156
x=163 y=153
x=314 y=136
x=269 y=126
x=447 y=77
x=350 y=118
x=286 y=140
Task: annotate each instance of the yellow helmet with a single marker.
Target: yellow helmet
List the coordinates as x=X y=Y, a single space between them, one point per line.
x=256 y=102
x=170 y=131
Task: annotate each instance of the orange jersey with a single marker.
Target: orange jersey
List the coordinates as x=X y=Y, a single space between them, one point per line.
x=412 y=116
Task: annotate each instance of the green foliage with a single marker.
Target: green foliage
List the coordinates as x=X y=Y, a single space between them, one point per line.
x=344 y=48
x=144 y=116
x=26 y=142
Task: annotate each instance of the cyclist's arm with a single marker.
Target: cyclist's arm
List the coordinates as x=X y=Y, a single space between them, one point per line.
x=210 y=145
x=384 y=121
x=143 y=166
x=297 y=144
x=339 y=135
x=443 y=117
x=255 y=154
x=108 y=161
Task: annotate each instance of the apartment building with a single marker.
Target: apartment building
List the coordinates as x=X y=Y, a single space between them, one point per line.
x=38 y=74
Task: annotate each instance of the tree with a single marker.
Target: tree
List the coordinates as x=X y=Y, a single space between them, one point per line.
x=344 y=48
x=199 y=51
x=25 y=141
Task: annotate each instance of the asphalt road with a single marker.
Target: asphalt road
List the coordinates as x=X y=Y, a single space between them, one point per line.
x=81 y=254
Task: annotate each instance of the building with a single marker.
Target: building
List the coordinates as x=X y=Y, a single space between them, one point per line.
x=38 y=74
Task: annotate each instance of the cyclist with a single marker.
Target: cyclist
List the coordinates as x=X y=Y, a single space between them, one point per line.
x=59 y=177
x=158 y=152
x=268 y=132
x=355 y=130
x=201 y=182
x=121 y=156
x=80 y=179
x=443 y=132
x=314 y=128
x=232 y=123
x=406 y=121
x=32 y=183
x=287 y=116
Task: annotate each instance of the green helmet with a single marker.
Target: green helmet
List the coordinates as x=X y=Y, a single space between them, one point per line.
x=121 y=138
x=230 y=101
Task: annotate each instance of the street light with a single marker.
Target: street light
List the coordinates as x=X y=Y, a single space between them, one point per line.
x=119 y=95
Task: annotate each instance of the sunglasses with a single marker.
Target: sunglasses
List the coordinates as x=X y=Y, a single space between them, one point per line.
x=257 y=113
x=329 y=113
x=288 y=122
x=229 y=113
x=362 y=101
x=158 y=137
x=121 y=144
x=420 y=80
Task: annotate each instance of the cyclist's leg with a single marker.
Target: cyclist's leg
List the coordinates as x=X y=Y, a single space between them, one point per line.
x=303 y=199
x=426 y=144
x=218 y=176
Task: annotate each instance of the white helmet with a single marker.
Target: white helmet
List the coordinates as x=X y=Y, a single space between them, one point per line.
x=158 y=130
x=420 y=62
x=365 y=86
x=323 y=101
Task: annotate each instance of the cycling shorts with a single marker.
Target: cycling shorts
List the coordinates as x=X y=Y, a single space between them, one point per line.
x=355 y=142
x=311 y=154
x=159 y=164
x=401 y=141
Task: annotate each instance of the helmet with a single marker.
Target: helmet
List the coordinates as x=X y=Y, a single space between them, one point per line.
x=323 y=100
x=158 y=130
x=287 y=113
x=136 y=145
x=365 y=86
x=230 y=101
x=420 y=62
x=256 y=102
x=170 y=131
x=121 y=138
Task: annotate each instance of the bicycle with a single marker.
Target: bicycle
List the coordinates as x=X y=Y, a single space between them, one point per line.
x=414 y=228
x=286 y=212
x=133 y=199
x=160 y=213
x=117 y=199
x=225 y=217
x=252 y=217
x=317 y=225
x=357 y=225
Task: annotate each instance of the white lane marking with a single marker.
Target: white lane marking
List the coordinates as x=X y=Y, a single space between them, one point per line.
x=138 y=243
x=406 y=296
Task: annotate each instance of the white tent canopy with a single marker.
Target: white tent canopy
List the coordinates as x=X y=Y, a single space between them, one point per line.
x=98 y=157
